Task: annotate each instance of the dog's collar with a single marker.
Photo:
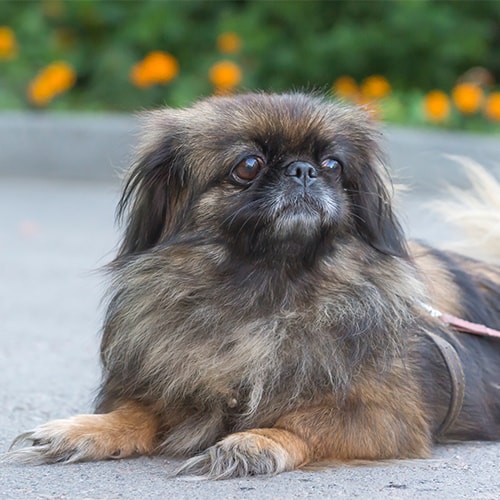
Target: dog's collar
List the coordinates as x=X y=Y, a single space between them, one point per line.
x=452 y=360
x=457 y=379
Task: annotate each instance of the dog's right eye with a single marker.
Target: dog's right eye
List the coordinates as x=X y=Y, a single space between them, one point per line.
x=246 y=170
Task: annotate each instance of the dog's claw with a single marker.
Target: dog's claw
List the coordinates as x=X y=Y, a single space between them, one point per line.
x=38 y=447
x=196 y=466
x=24 y=438
x=39 y=454
x=31 y=450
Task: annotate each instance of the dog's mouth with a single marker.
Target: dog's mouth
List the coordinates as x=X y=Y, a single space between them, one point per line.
x=302 y=204
x=301 y=214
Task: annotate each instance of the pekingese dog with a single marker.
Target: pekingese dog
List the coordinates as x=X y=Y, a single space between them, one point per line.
x=265 y=310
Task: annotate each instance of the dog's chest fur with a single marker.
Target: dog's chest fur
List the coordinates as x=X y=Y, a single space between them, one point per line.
x=235 y=349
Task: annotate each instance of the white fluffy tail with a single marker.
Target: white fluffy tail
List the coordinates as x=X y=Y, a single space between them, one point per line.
x=475 y=213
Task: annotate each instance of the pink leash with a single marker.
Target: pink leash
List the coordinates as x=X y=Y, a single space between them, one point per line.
x=461 y=325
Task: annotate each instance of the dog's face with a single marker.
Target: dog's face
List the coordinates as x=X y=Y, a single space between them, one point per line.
x=269 y=175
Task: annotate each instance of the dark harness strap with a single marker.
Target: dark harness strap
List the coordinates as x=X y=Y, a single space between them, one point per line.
x=457 y=377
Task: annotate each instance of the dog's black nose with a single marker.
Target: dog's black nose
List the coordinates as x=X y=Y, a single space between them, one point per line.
x=302 y=172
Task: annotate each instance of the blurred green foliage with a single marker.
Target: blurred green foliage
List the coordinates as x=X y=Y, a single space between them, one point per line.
x=416 y=44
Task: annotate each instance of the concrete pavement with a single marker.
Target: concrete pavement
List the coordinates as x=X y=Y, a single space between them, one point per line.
x=54 y=234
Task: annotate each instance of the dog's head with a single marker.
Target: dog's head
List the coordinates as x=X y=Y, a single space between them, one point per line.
x=265 y=174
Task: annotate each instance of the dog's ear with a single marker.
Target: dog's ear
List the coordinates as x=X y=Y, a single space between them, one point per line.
x=375 y=221
x=156 y=197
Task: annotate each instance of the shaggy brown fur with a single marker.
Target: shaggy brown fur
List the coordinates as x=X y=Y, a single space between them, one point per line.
x=264 y=308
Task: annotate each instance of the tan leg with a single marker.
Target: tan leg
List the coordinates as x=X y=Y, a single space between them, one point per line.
x=360 y=434
x=129 y=430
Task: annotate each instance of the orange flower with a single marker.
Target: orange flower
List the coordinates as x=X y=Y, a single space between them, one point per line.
x=51 y=81
x=467 y=97
x=436 y=106
x=157 y=67
x=228 y=43
x=40 y=93
x=60 y=76
x=225 y=75
x=375 y=87
x=492 y=106
x=8 y=43
x=345 y=87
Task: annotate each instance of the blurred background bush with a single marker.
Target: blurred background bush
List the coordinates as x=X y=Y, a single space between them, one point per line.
x=410 y=61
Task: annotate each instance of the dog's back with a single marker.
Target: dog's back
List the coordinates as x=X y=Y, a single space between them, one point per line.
x=468 y=290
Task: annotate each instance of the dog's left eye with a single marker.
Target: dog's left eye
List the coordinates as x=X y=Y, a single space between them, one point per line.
x=332 y=164
x=247 y=169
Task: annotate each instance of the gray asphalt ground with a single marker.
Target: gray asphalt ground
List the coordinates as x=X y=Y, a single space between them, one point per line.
x=56 y=230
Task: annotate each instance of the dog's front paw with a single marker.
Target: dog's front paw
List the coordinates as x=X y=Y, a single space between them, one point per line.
x=129 y=430
x=55 y=441
x=75 y=439
x=263 y=451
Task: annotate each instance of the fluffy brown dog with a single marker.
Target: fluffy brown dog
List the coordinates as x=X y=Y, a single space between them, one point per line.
x=265 y=310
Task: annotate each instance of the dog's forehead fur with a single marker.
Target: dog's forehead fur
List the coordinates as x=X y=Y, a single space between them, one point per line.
x=215 y=132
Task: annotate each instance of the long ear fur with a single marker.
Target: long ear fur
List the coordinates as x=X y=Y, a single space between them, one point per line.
x=157 y=192
x=374 y=218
